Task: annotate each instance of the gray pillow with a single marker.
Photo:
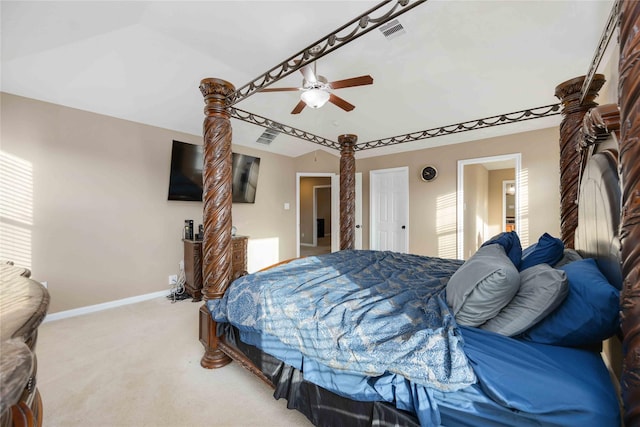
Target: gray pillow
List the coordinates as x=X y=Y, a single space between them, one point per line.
x=569 y=255
x=542 y=290
x=482 y=286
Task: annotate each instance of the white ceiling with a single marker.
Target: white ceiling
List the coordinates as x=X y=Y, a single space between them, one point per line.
x=458 y=61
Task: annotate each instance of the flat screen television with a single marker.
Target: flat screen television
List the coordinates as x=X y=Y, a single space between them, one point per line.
x=185 y=179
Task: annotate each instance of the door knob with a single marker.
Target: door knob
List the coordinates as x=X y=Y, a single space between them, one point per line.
x=357 y=226
x=403 y=227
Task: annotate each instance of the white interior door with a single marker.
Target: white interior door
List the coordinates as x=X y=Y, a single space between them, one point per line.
x=389 y=208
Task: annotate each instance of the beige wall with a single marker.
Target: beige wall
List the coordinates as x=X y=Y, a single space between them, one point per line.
x=97 y=225
x=496 y=177
x=94 y=219
x=476 y=209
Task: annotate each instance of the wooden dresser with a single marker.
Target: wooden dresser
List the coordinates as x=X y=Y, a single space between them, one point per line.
x=23 y=306
x=193 y=263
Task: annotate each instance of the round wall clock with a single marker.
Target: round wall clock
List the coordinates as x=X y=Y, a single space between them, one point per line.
x=428 y=173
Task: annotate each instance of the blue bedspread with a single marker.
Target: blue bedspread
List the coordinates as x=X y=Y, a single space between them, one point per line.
x=367 y=312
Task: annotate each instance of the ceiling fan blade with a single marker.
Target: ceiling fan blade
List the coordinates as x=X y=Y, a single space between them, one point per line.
x=354 y=81
x=298 y=108
x=280 y=89
x=309 y=73
x=336 y=100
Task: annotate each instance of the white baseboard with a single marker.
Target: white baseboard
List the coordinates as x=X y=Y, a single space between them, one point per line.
x=307 y=244
x=104 y=306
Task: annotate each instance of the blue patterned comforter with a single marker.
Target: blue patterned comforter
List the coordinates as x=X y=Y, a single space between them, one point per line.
x=368 y=312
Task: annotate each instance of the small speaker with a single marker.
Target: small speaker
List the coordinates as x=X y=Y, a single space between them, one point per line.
x=188 y=229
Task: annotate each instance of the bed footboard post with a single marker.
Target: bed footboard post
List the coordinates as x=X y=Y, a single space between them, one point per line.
x=629 y=91
x=573 y=114
x=216 y=245
x=347 y=191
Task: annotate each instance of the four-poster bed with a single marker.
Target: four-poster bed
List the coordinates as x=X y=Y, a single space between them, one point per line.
x=580 y=230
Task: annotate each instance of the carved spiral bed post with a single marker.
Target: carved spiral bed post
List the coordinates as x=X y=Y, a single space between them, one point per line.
x=629 y=98
x=216 y=247
x=573 y=113
x=347 y=191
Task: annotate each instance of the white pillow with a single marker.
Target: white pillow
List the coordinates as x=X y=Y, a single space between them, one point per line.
x=482 y=286
x=542 y=290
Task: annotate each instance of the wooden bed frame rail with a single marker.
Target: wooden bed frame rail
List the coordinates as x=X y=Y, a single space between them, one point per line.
x=217 y=197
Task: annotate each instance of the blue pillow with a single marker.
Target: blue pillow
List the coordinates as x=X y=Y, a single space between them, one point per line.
x=548 y=250
x=510 y=241
x=589 y=314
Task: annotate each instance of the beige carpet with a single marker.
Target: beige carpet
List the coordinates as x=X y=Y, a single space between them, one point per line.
x=139 y=365
x=323 y=247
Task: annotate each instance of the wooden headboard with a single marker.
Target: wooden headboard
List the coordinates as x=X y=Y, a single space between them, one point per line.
x=597 y=234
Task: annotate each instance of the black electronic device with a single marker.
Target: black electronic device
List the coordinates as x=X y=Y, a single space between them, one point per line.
x=186 y=179
x=188 y=229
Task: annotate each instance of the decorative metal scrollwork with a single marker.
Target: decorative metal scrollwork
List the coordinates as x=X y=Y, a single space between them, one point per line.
x=355 y=28
x=612 y=24
x=502 y=119
x=248 y=117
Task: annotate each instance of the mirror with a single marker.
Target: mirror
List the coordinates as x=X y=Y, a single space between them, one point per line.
x=484 y=207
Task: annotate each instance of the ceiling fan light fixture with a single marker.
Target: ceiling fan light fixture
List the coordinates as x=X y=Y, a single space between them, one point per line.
x=315 y=98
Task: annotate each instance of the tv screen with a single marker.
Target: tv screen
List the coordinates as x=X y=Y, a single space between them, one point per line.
x=185 y=181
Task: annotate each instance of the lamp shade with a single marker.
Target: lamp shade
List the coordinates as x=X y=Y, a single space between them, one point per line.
x=315 y=98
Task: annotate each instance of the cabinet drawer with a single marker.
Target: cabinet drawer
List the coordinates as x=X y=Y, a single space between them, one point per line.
x=238 y=258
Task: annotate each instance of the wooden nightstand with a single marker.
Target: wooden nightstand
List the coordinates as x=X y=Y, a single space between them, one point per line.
x=193 y=263
x=193 y=268
x=239 y=256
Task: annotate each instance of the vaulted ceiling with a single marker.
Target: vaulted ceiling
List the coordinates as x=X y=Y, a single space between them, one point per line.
x=455 y=61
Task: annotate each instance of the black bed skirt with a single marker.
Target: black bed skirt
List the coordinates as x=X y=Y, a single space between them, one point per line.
x=322 y=407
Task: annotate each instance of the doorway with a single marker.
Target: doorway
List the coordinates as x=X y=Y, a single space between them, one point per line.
x=481 y=200
x=321 y=220
x=389 y=209
x=307 y=245
x=317 y=213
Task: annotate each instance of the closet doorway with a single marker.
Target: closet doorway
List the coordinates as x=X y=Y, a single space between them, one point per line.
x=483 y=184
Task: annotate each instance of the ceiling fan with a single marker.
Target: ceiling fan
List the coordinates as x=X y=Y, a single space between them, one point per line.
x=316 y=90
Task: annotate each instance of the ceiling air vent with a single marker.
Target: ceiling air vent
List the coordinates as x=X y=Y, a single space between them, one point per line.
x=392 y=29
x=267 y=136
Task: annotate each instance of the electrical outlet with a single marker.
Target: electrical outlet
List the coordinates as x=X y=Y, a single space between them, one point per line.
x=173 y=279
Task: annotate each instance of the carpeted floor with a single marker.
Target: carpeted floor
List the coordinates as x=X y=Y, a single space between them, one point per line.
x=139 y=365
x=323 y=247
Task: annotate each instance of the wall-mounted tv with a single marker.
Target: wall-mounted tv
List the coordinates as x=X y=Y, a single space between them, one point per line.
x=185 y=180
